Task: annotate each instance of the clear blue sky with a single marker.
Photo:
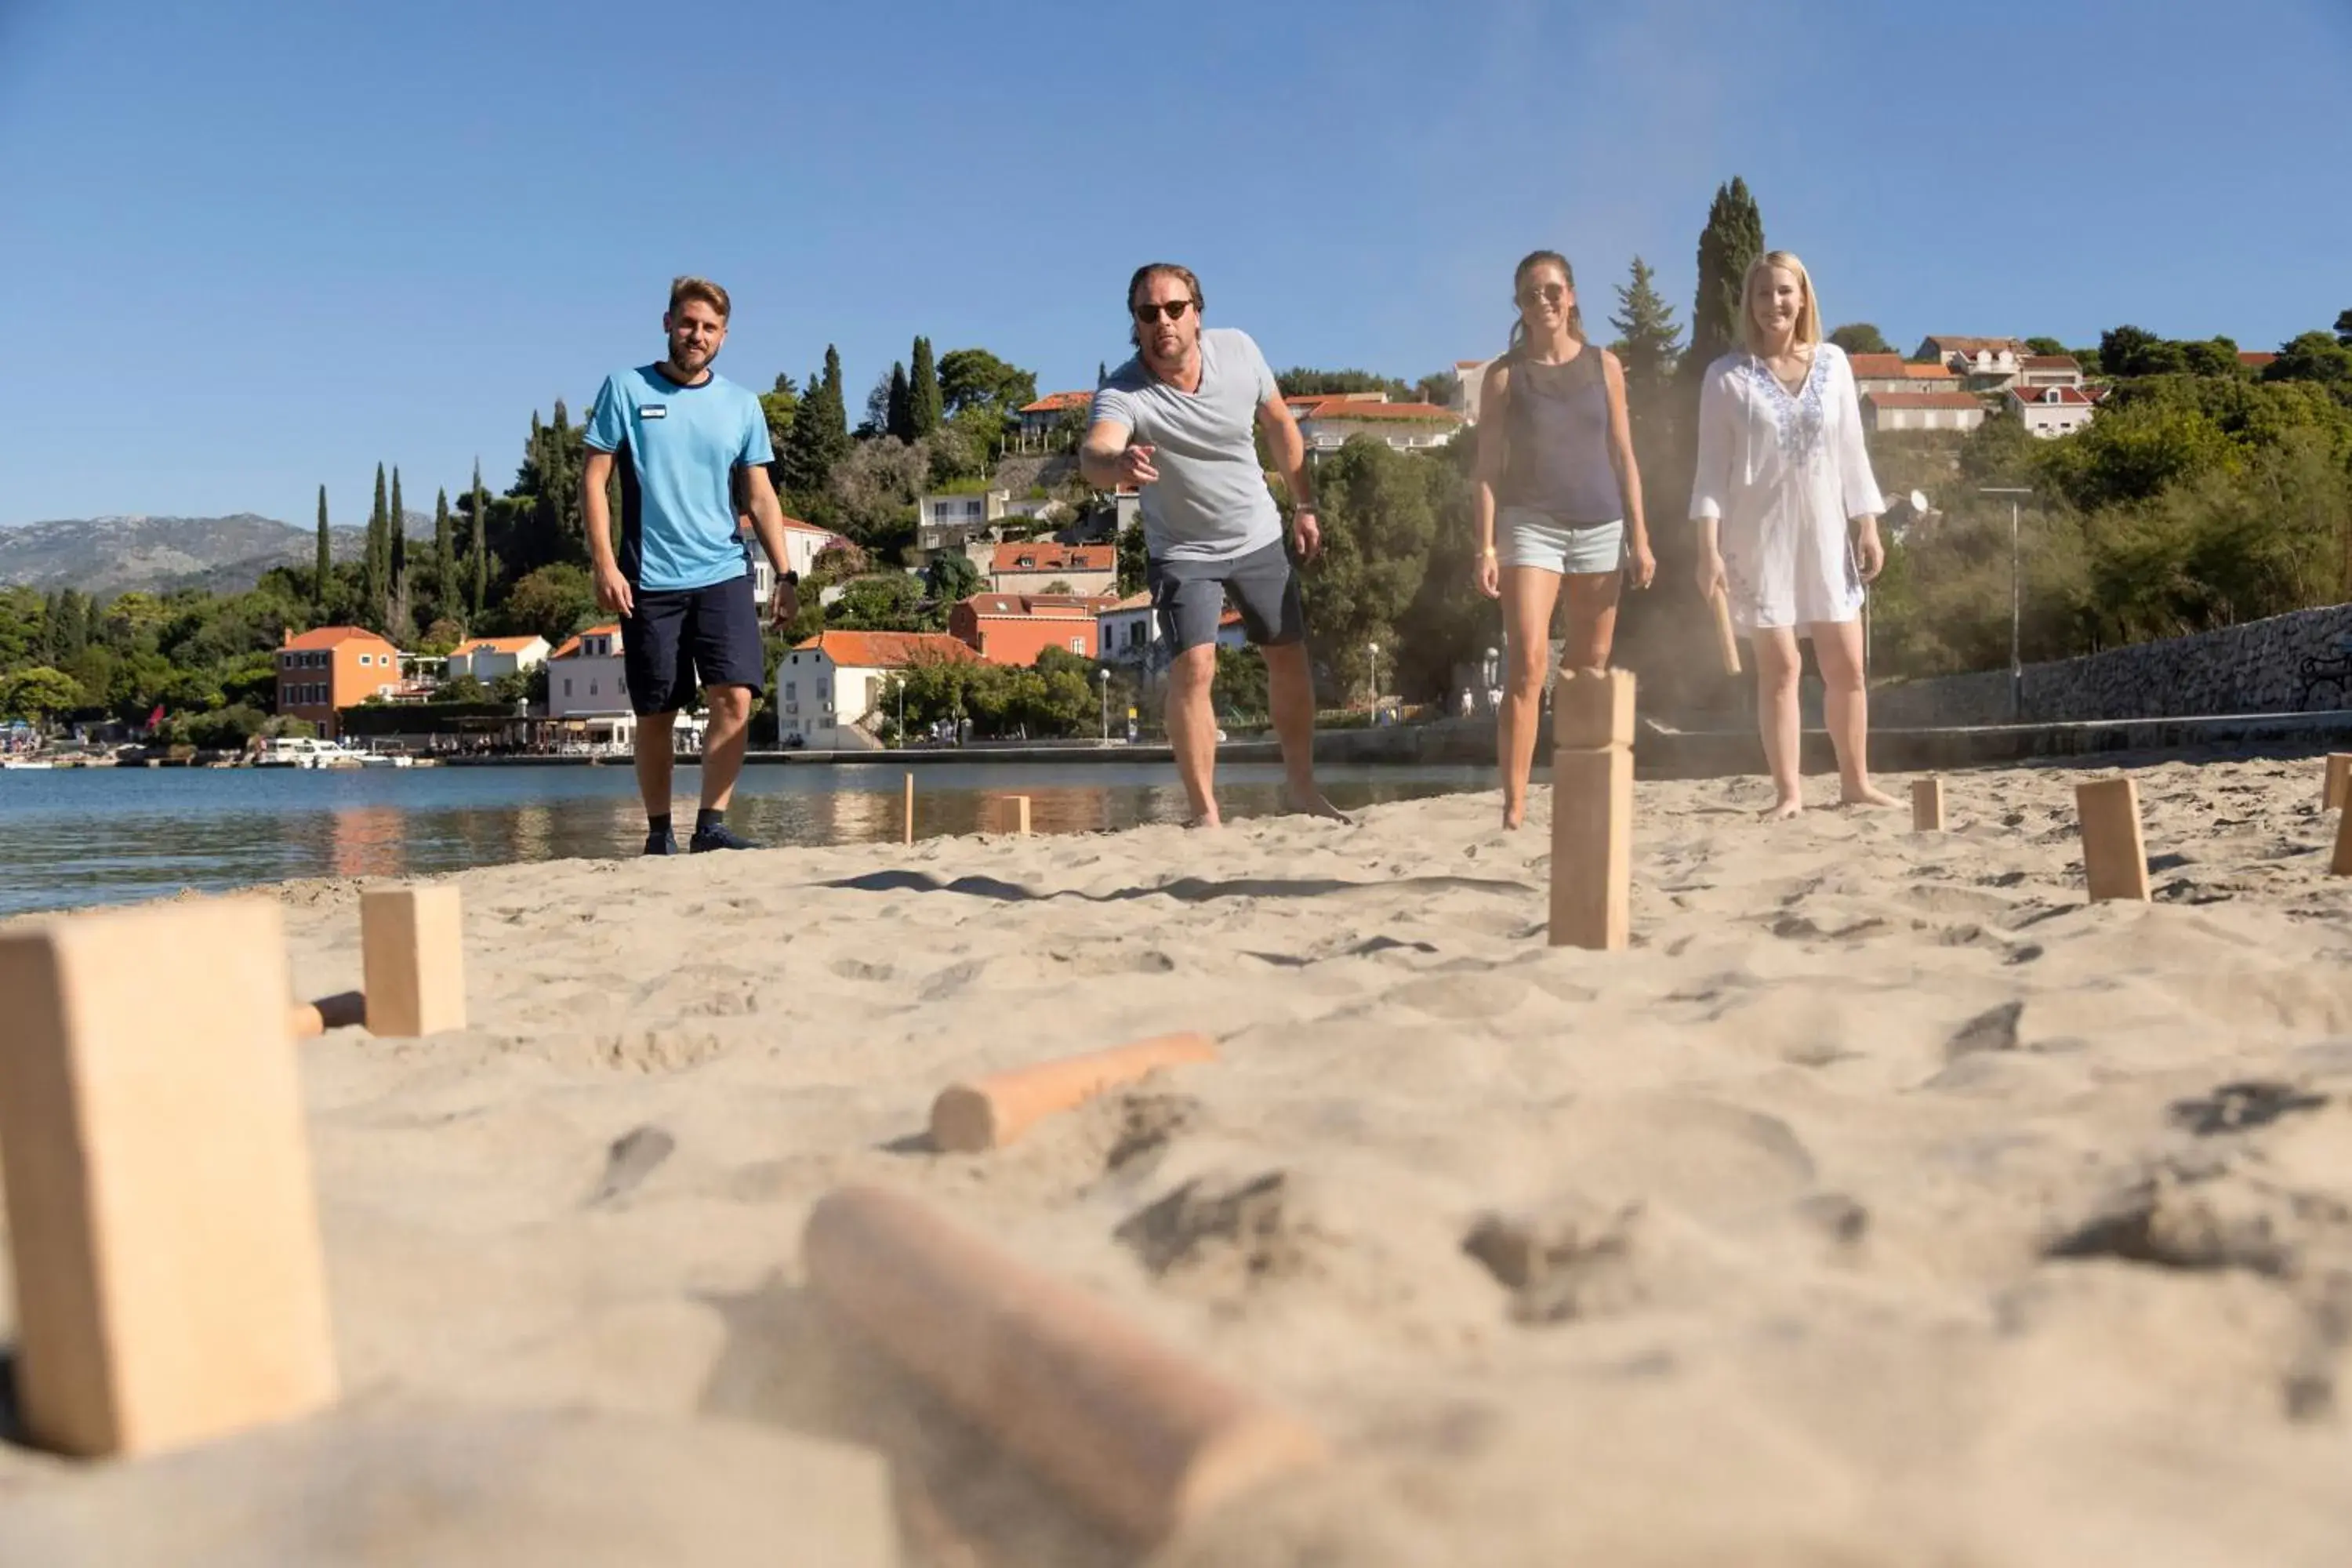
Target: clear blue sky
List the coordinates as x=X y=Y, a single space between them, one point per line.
x=250 y=248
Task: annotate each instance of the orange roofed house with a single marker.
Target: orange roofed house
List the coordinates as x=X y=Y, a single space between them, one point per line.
x=1014 y=628
x=833 y=682
x=333 y=668
x=1037 y=566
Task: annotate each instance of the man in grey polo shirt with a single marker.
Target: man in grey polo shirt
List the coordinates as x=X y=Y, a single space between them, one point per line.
x=1176 y=422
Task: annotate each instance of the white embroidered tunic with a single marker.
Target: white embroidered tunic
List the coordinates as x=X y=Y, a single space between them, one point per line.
x=1783 y=471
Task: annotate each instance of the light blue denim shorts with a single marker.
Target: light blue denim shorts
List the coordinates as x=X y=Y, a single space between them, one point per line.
x=1537 y=539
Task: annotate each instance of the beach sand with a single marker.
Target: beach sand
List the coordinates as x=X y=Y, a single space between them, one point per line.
x=1890 y=1202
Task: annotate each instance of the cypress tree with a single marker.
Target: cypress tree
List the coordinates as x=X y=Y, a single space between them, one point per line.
x=445 y=603
x=326 y=562
x=571 y=527
x=398 y=578
x=1733 y=238
x=378 y=552
x=820 y=435
x=901 y=420
x=923 y=405
x=481 y=544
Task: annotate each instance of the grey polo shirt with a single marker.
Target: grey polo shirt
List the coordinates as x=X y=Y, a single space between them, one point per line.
x=1210 y=500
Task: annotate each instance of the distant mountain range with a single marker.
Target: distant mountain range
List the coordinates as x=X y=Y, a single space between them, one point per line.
x=110 y=556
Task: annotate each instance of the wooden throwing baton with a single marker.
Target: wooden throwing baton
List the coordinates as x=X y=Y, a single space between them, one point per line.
x=989 y=1112
x=1140 y=1438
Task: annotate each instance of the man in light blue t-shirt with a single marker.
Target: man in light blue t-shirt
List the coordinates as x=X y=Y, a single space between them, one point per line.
x=690 y=445
x=1177 y=422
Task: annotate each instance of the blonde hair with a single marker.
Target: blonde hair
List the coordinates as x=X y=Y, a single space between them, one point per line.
x=681 y=289
x=1808 y=315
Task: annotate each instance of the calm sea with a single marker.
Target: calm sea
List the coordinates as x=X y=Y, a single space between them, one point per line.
x=113 y=835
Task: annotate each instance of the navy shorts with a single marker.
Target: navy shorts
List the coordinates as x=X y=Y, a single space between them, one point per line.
x=1190 y=598
x=677 y=641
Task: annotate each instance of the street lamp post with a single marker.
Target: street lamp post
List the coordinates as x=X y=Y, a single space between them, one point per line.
x=1102 y=680
x=1374 y=650
x=2016 y=601
x=1493 y=668
x=902 y=710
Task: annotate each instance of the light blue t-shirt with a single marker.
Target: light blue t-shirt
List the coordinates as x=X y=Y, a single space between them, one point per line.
x=677 y=449
x=1210 y=502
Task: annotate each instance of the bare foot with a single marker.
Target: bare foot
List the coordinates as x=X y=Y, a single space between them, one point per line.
x=1309 y=801
x=1512 y=817
x=1208 y=819
x=1782 y=810
x=1868 y=794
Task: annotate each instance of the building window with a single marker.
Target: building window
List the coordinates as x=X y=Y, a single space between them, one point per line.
x=567 y=686
x=792 y=690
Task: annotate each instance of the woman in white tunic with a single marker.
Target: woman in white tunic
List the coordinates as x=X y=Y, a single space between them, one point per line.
x=1787 y=515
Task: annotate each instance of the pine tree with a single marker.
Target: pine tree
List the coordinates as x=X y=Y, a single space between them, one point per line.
x=445 y=561
x=923 y=404
x=1733 y=238
x=481 y=546
x=325 y=565
x=1649 y=345
x=374 y=580
x=836 y=411
x=901 y=420
x=1649 y=342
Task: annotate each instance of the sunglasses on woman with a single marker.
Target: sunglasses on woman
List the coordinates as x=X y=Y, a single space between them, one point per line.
x=1174 y=310
x=1554 y=293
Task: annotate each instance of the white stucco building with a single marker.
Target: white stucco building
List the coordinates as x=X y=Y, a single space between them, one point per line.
x=489 y=658
x=834 y=682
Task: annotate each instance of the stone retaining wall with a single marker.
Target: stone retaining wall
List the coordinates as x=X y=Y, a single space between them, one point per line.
x=2252 y=669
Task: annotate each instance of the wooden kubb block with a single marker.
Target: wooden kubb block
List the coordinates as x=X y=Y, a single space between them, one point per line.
x=1927 y=806
x=165 y=1238
x=1593 y=809
x=1013 y=814
x=412 y=945
x=2336 y=782
x=2341 y=866
x=2114 y=859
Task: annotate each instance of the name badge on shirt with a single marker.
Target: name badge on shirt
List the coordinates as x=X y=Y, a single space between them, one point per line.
x=653 y=411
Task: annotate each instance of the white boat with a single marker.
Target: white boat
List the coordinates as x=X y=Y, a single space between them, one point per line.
x=304 y=752
x=30 y=764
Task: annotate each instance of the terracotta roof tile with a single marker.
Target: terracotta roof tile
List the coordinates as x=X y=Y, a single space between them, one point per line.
x=335 y=636
x=1923 y=400
x=888 y=650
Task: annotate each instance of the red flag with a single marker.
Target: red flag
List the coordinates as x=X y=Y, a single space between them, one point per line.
x=157 y=717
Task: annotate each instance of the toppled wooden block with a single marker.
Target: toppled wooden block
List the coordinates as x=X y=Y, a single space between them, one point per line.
x=990 y=1112
x=1927 y=806
x=2115 y=861
x=1143 y=1438
x=169 y=1286
x=413 y=946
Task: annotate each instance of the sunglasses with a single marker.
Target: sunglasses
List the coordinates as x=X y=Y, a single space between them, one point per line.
x=1554 y=293
x=1173 y=311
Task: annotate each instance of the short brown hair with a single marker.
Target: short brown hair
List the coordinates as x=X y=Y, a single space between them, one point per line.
x=1145 y=274
x=681 y=289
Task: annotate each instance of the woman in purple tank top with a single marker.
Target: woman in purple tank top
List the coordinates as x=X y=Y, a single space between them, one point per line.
x=1557 y=481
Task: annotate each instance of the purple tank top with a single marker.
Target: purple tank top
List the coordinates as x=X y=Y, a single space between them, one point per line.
x=1558 y=427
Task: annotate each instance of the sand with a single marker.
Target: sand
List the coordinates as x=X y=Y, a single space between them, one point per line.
x=1886 y=1203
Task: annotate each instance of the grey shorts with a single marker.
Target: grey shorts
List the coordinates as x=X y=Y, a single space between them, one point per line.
x=1190 y=598
x=1538 y=539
